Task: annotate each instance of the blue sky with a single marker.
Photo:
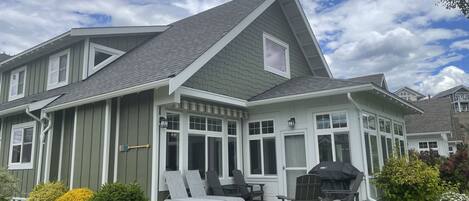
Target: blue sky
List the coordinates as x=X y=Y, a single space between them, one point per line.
x=414 y=43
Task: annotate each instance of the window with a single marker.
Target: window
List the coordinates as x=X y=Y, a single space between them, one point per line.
x=205 y=124
x=232 y=147
x=276 y=56
x=57 y=75
x=22 y=146
x=196 y=153
x=101 y=56
x=428 y=146
x=333 y=137
x=398 y=130
x=17 y=83
x=262 y=152
x=172 y=142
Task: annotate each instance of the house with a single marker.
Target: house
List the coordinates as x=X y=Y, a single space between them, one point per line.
x=4 y=57
x=241 y=86
x=409 y=94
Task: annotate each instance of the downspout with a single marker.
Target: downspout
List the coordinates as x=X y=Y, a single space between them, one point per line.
x=43 y=120
x=365 y=167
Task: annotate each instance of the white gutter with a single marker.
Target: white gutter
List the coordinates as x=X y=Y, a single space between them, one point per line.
x=365 y=167
x=130 y=90
x=428 y=133
x=16 y=109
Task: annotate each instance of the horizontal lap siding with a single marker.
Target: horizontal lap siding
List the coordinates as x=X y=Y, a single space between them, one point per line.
x=27 y=178
x=238 y=69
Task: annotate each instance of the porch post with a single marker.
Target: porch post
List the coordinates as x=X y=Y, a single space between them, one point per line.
x=155 y=147
x=107 y=142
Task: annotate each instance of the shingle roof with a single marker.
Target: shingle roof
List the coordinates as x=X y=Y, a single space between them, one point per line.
x=375 y=78
x=437 y=116
x=301 y=85
x=450 y=91
x=4 y=57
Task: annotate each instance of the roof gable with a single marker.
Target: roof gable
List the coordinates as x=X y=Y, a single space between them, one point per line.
x=450 y=91
x=409 y=90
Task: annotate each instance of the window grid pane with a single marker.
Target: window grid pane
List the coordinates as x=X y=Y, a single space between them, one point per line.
x=232 y=128
x=214 y=125
x=275 y=56
x=20 y=82
x=173 y=121
x=62 y=68
x=267 y=127
x=197 y=123
x=339 y=120
x=323 y=121
x=254 y=128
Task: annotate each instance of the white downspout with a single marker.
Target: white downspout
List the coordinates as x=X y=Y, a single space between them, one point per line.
x=365 y=167
x=42 y=136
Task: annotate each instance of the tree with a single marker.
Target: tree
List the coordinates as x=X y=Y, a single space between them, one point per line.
x=462 y=5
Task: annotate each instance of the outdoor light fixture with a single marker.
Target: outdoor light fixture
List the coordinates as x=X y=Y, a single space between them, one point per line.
x=291 y=122
x=163 y=122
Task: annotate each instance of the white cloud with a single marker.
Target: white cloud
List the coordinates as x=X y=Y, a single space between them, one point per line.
x=196 y=6
x=462 y=44
x=449 y=77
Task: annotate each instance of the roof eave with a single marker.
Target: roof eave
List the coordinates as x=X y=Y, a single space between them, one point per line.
x=402 y=102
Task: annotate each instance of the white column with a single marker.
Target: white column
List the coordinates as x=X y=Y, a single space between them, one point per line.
x=107 y=141
x=155 y=147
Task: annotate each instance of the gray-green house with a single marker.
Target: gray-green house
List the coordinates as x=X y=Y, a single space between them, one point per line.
x=240 y=86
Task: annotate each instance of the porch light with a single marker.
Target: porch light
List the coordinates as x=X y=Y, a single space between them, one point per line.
x=291 y=122
x=163 y=122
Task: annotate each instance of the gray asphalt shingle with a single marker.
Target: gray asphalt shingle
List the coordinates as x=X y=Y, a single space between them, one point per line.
x=375 y=78
x=437 y=116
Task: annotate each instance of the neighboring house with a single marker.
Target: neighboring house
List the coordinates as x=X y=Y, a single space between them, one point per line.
x=409 y=94
x=4 y=57
x=241 y=86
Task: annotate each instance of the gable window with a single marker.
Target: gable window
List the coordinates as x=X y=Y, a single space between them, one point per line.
x=17 y=83
x=101 y=56
x=276 y=56
x=59 y=65
x=262 y=152
x=22 y=146
x=333 y=137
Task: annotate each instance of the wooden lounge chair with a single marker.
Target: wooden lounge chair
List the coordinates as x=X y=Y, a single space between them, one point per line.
x=346 y=195
x=196 y=186
x=248 y=190
x=308 y=188
x=177 y=189
x=215 y=188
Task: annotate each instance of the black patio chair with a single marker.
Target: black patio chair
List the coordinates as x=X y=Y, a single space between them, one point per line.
x=215 y=188
x=346 y=195
x=247 y=190
x=308 y=188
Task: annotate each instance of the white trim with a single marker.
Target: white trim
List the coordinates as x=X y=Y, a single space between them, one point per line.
x=183 y=76
x=93 y=47
x=67 y=71
x=344 y=90
x=395 y=97
x=109 y=95
x=72 y=166
x=107 y=142
x=86 y=54
x=286 y=74
x=48 y=158
x=116 y=30
x=20 y=108
x=197 y=93
x=62 y=130
x=17 y=71
x=116 y=146
x=22 y=166
x=429 y=133
x=155 y=147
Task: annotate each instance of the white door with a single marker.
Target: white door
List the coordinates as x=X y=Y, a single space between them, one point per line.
x=294 y=163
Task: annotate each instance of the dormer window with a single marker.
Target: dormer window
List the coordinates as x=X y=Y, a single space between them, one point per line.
x=276 y=56
x=101 y=56
x=59 y=65
x=17 y=80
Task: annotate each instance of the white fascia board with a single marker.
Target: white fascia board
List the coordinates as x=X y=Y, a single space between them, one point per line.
x=183 y=76
x=455 y=141
x=116 y=30
x=101 y=97
x=197 y=93
x=427 y=133
x=331 y=92
x=400 y=100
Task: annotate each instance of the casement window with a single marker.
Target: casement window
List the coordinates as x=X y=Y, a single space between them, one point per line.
x=101 y=56
x=428 y=146
x=262 y=152
x=333 y=137
x=59 y=65
x=399 y=139
x=172 y=142
x=276 y=56
x=22 y=146
x=17 y=83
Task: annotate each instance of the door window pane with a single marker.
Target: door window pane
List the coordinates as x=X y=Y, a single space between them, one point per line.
x=295 y=146
x=325 y=148
x=323 y=121
x=255 y=156
x=270 y=158
x=232 y=155
x=196 y=153
x=215 y=152
x=342 y=147
x=172 y=151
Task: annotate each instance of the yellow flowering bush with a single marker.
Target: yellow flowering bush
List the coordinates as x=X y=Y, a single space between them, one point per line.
x=79 y=194
x=47 y=192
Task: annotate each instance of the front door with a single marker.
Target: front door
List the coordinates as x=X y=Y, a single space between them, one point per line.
x=294 y=163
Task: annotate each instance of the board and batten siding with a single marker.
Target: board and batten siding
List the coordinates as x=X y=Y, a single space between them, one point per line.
x=238 y=69
x=27 y=177
x=68 y=128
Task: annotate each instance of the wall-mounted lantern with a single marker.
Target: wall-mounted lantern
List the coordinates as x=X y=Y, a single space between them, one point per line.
x=291 y=122
x=163 y=122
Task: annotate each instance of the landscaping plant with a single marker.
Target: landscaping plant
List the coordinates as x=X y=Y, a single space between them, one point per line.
x=451 y=196
x=79 y=194
x=47 y=192
x=8 y=185
x=456 y=168
x=119 y=192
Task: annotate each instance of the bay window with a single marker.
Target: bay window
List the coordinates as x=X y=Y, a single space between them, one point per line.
x=262 y=151
x=333 y=137
x=22 y=146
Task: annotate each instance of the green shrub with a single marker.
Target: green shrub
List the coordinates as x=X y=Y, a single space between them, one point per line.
x=8 y=185
x=47 y=192
x=119 y=192
x=79 y=194
x=456 y=169
x=451 y=196
x=410 y=180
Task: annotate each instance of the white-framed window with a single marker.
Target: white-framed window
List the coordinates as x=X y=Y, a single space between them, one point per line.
x=385 y=138
x=173 y=139
x=17 y=83
x=399 y=138
x=58 y=71
x=428 y=146
x=372 y=141
x=233 y=139
x=22 y=144
x=276 y=56
x=100 y=56
x=261 y=144
x=332 y=133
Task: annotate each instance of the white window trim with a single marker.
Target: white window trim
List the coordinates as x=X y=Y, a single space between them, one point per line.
x=22 y=166
x=17 y=96
x=287 y=55
x=331 y=132
x=67 y=73
x=93 y=47
x=261 y=136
